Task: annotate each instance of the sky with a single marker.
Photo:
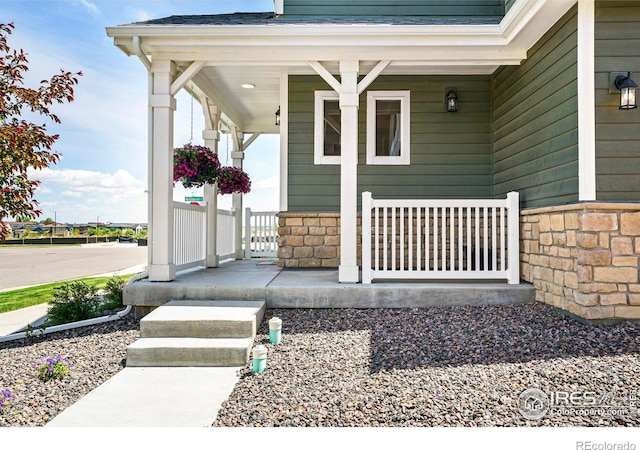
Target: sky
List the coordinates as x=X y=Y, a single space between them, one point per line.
x=102 y=175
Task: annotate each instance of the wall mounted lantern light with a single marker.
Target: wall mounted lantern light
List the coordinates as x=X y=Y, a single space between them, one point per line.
x=452 y=101
x=627 y=88
x=278 y=117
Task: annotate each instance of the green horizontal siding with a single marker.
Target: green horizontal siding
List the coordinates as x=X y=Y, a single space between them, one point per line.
x=450 y=152
x=460 y=8
x=617 y=49
x=535 y=121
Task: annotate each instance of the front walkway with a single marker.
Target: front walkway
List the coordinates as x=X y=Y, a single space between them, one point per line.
x=191 y=397
x=261 y=279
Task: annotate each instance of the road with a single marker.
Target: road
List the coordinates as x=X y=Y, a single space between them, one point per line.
x=29 y=266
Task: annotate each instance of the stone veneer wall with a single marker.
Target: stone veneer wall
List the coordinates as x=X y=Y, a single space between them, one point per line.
x=583 y=258
x=310 y=240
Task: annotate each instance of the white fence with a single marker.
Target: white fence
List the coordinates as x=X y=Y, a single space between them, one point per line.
x=189 y=235
x=261 y=232
x=440 y=239
x=226 y=236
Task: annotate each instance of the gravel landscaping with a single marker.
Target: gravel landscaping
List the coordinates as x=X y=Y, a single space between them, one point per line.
x=95 y=353
x=458 y=366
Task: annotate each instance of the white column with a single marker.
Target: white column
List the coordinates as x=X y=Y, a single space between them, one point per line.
x=284 y=142
x=163 y=104
x=586 y=101
x=348 y=269
x=211 y=137
x=237 y=155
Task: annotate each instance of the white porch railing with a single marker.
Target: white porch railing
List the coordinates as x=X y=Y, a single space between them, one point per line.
x=260 y=234
x=440 y=239
x=226 y=236
x=189 y=235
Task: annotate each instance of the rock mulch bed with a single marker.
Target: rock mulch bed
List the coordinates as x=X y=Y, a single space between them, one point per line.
x=459 y=366
x=95 y=353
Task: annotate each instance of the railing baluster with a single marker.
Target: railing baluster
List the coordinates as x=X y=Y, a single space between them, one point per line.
x=485 y=236
x=452 y=241
x=502 y=237
x=443 y=217
x=494 y=240
x=402 y=238
x=435 y=239
x=394 y=239
x=460 y=240
x=418 y=240
x=427 y=239
x=376 y=239
x=477 y=243
x=385 y=233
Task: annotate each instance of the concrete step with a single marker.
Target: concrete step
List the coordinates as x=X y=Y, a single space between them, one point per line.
x=197 y=333
x=204 y=318
x=189 y=352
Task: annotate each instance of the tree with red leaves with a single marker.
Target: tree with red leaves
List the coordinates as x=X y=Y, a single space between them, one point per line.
x=24 y=144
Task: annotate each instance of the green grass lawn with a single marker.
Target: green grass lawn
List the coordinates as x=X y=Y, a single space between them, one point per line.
x=22 y=298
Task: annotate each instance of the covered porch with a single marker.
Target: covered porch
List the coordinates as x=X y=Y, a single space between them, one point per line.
x=262 y=279
x=244 y=67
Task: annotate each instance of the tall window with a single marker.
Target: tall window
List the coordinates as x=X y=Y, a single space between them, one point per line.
x=388 y=127
x=327 y=128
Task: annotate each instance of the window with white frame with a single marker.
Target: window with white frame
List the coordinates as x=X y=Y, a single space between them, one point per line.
x=388 y=132
x=327 y=128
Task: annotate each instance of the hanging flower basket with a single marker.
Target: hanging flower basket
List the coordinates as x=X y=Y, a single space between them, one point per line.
x=195 y=166
x=233 y=180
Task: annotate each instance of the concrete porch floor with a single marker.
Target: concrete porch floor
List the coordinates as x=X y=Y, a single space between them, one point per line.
x=262 y=279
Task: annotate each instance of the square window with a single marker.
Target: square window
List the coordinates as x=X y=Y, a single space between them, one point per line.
x=388 y=131
x=327 y=124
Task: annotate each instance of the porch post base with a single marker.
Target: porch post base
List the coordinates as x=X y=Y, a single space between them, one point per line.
x=162 y=272
x=348 y=274
x=213 y=260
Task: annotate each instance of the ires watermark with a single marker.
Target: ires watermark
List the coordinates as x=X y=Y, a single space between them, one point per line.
x=534 y=404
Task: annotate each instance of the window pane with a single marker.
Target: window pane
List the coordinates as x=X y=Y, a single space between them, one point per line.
x=388 y=122
x=331 y=128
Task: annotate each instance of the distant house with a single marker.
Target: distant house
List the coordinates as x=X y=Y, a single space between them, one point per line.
x=421 y=100
x=66 y=229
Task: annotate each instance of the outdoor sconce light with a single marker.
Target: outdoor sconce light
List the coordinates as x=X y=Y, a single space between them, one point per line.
x=627 y=88
x=278 y=117
x=452 y=101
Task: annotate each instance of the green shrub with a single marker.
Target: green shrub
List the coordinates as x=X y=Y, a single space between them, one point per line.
x=72 y=302
x=112 y=297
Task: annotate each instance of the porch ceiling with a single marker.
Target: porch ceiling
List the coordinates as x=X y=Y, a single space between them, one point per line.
x=258 y=54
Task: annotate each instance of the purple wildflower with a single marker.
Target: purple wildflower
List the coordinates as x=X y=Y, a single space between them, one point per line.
x=5 y=399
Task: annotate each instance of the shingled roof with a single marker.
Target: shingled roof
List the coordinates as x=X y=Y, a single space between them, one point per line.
x=269 y=18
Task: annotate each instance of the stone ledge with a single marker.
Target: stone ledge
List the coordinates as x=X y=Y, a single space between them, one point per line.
x=595 y=206
x=288 y=215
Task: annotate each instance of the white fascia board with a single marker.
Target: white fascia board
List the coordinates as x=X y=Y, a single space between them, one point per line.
x=528 y=20
x=295 y=31
x=298 y=55
x=274 y=40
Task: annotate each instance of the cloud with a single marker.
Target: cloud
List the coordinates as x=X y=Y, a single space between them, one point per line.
x=80 y=195
x=92 y=8
x=140 y=15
